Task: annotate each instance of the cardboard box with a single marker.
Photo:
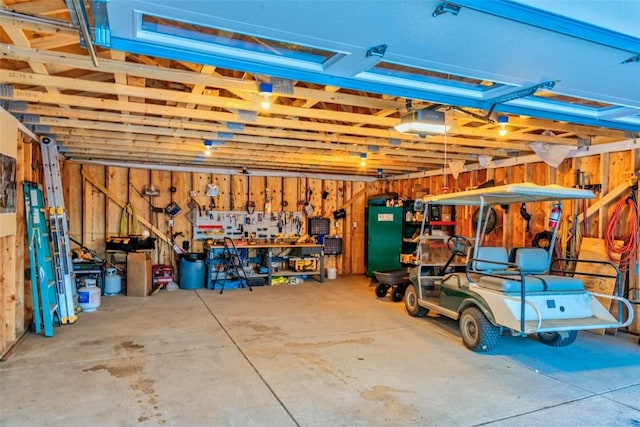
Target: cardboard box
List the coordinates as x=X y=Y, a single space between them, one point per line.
x=138 y=274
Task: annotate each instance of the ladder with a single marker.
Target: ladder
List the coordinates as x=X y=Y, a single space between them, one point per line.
x=232 y=266
x=43 y=284
x=65 y=276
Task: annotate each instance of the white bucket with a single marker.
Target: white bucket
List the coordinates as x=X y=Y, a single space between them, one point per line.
x=89 y=295
x=332 y=273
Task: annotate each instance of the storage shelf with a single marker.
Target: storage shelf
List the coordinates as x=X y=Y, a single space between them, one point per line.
x=265 y=253
x=285 y=273
x=442 y=223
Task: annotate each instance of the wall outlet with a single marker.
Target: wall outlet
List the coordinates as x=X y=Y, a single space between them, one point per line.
x=170 y=223
x=355 y=225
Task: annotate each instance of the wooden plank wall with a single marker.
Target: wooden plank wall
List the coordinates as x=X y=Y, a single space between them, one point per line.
x=609 y=170
x=16 y=311
x=94 y=216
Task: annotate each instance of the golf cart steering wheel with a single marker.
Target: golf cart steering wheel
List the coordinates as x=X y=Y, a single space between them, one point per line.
x=458 y=245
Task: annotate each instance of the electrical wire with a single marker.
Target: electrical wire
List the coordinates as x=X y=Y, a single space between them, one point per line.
x=628 y=250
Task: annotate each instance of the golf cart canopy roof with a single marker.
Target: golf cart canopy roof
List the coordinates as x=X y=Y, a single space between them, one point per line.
x=509 y=194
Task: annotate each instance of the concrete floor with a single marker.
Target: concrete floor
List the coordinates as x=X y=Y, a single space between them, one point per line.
x=314 y=354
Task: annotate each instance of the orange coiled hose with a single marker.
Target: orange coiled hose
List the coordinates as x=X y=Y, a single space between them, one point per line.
x=626 y=252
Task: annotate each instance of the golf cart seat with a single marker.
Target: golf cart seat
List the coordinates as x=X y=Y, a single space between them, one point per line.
x=492 y=260
x=498 y=274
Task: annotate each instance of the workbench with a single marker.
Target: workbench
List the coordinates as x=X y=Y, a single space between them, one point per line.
x=263 y=256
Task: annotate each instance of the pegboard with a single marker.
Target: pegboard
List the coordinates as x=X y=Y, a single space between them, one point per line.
x=217 y=225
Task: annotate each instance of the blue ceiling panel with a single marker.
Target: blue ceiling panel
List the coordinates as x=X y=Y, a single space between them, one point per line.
x=511 y=45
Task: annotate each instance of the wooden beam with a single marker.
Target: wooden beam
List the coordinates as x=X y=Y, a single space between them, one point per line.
x=32 y=79
x=189 y=77
x=224 y=117
x=353 y=198
x=608 y=198
x=40 y=7
x=134 y=132
x=323 y=137
x=230 y=159
x=55 y=41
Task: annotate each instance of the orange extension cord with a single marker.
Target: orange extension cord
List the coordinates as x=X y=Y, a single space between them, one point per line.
x=628 y=251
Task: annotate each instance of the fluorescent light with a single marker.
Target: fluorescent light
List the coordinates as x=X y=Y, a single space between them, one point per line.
x=423 y=122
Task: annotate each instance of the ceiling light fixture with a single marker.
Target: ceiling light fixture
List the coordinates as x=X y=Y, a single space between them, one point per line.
x=423 y=122
x=208 y=147
x=266 y=90
x=503 y=121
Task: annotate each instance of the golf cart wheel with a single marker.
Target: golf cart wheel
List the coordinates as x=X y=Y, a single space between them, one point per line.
x=397 y=293
x=478 y=334
x=558 y=339
x=381 y=290
x=411 y=303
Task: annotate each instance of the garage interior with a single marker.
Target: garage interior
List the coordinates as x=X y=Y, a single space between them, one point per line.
x=183 y=134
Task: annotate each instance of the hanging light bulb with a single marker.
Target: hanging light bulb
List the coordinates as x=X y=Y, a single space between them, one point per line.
x=363 y=159
x=208 y=147
x=503 y=121
x=266 y=90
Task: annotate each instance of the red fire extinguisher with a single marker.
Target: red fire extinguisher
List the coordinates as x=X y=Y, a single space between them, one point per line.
x=554 y=217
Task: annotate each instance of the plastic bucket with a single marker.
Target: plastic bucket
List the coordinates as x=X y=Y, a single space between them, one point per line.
x=332 y=273
x=192 y=271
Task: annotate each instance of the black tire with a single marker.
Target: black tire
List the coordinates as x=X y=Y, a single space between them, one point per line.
x=411 y=303
x=397 y=293
x=478 y=334
x=381 y=290
x=558 y=339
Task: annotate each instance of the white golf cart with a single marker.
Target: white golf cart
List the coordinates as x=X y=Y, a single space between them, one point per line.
x=490 y=292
